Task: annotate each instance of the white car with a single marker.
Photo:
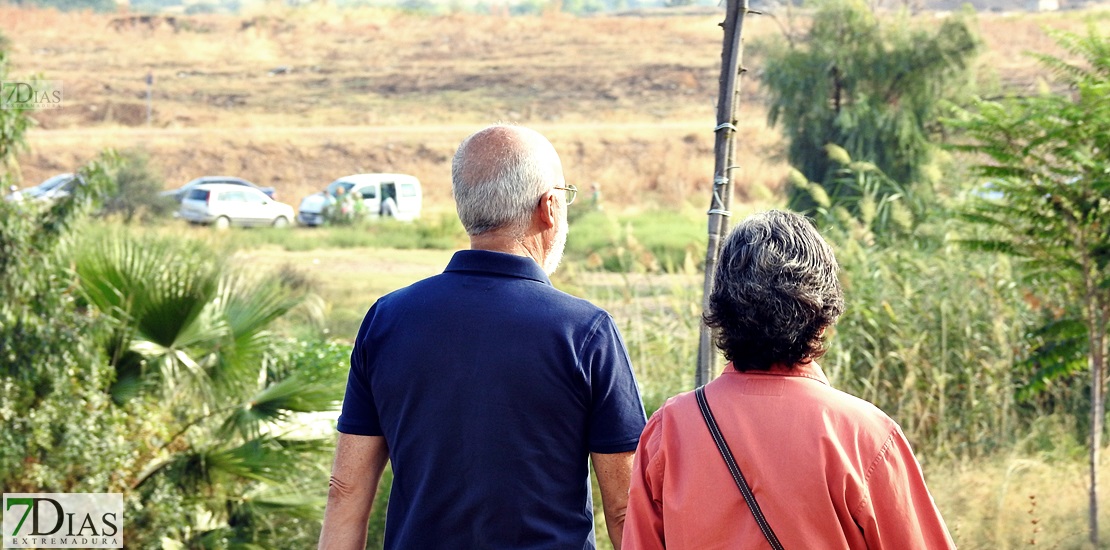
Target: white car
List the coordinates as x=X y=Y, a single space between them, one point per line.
x=225 y=204
x=179 y=193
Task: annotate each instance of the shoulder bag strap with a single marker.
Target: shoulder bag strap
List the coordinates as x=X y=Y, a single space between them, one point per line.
x=722 y=446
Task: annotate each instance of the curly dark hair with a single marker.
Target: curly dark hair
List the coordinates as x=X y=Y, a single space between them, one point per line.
x=775 y=291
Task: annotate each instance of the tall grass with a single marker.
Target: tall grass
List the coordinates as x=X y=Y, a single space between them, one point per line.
x=655 y=241
x=1032 y=494
x=658 y=316
x=930 y=336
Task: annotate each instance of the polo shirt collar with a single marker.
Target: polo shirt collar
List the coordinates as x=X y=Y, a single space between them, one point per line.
x=805 y=370
x=497 y=263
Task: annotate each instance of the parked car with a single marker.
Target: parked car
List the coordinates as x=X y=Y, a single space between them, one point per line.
x=373 y=195
x=54 y=188
x=179 y=193
x=227 y=204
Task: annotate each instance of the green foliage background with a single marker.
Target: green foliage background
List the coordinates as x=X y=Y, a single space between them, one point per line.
x=872 y=87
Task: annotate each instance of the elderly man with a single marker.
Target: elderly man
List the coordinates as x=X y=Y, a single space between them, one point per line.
x=488 y=390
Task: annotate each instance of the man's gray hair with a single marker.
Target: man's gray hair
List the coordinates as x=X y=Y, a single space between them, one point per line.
x=498 y=176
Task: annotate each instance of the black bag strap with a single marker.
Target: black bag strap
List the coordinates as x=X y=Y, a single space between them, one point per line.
x=742 y=483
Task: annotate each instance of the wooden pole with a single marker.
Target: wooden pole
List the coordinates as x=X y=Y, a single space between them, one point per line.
x=724 y=149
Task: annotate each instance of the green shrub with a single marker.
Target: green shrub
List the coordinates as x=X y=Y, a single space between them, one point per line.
x=138 y=190
x=655 y=241
x=441 y=233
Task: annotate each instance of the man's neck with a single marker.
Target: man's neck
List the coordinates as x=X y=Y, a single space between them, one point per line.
x=530 y=246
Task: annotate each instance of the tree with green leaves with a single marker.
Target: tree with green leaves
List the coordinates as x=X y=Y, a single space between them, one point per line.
x=138 y=190
x=1047 y=168
x=14 y=124
x=50 y=362
x=47 y=342
x=869 y=86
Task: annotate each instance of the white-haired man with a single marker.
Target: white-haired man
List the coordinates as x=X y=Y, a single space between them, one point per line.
x=487 y=389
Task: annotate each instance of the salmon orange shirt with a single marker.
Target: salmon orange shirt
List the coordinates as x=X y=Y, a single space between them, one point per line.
x=828 y=470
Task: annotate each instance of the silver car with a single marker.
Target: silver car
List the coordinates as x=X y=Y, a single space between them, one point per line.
x=180 y=193
x=223 y=205
x=54 y=188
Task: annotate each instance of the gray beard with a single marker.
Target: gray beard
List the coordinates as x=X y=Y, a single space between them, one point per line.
x=551 y=262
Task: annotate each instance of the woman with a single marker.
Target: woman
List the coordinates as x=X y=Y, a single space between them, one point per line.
x=826 y=470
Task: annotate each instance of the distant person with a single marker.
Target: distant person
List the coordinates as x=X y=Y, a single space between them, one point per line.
x=488 y=390
x=595 y=196
x=825 y=469
x=389 y=208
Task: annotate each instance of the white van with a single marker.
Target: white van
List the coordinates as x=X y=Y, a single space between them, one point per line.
x=381 y=195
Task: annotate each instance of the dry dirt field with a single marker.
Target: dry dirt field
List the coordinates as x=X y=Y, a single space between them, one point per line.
x=294 y=98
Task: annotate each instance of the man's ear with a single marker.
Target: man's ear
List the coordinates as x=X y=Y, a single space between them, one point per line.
x=547 y=212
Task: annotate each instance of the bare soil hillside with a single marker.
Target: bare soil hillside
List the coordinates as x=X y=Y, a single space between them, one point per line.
x=295 y=98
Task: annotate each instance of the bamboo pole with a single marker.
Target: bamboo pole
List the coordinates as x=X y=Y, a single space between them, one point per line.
x=724 y=149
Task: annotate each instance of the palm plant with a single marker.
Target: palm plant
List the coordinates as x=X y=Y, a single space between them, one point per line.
x=194 y=359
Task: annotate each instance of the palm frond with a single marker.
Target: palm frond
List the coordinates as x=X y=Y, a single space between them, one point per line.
x=158 y=290
x=278 y=402
x=264 y=459
x=248 y=306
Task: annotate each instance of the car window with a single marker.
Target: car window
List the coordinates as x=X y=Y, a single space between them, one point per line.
x=335 y=186
x=369 y=192
x=198 y=195
x=55 y=181
x=253 y=196
x=232 y=196
x=408 y=190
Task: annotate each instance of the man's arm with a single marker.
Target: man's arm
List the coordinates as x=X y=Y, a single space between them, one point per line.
x=613 y=472
x=359 y=463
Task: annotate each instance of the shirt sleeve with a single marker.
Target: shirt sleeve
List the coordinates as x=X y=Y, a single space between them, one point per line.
x=359 y=415
x=643 y=522
x=897 y=511
x=617 y=414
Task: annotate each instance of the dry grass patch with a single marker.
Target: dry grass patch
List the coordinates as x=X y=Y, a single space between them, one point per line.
x=294 y=98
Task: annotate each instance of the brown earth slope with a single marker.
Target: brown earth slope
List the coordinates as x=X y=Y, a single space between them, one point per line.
x=295 y=98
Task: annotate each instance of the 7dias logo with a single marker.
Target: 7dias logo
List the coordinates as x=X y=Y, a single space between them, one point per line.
x=63 y=520
x=36 y=94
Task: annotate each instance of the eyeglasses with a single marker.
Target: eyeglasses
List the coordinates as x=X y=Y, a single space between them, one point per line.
x=571 y=192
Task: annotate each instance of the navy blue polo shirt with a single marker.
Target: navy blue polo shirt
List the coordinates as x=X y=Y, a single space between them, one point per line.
x=491 y=388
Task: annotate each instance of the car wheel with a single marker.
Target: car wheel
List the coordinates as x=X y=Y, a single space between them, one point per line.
x=281 y=221
x=222 y=222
